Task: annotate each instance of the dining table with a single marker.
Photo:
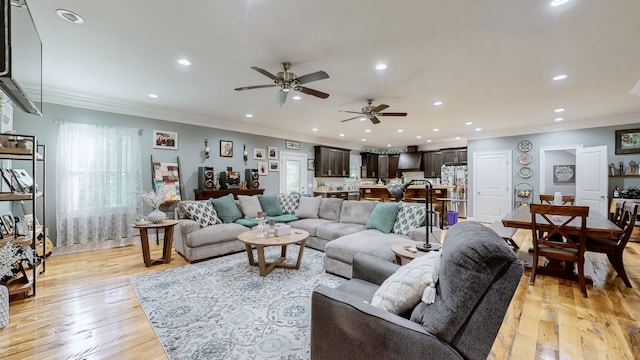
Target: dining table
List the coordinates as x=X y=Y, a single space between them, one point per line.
x=598 y=225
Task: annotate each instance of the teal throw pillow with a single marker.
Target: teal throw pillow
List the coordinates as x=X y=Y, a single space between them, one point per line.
x=226 y=208
x=383 y=217
x=270 y=205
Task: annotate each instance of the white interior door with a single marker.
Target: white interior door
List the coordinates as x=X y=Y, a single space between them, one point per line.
x=591 y=178
x=293 y=172
x=492 y=197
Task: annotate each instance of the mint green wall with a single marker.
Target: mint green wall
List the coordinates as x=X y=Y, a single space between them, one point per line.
x=190 y=148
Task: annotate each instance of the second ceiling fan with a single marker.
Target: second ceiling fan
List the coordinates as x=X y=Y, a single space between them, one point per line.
x=372 y=112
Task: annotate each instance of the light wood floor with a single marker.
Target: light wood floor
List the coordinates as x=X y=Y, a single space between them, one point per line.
x=85 y=308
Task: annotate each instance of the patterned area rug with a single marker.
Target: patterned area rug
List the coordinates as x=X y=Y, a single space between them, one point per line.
x=223 y=309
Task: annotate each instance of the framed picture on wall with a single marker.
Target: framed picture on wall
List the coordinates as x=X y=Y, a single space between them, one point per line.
x=628 y=141
x=293 y=145
x=226 y=148
x=273 y=152
x=263 y=168
x=167 y=140
x=564 y=174
x=258 y=154
x=274 y=165
x=310 y=164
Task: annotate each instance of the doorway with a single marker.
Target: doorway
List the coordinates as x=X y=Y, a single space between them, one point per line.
x=550 y=156
x=293 y=172
x=492 y=181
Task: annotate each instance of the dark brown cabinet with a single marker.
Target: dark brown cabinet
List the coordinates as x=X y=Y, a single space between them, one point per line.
x=454 y=156
x=383 y=166
x=370 y=164
x=432 y=162
x=331 y=162
x=393 y=165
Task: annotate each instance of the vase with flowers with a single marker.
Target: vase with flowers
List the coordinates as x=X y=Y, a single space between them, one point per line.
x=155 y=199
x=12 y=259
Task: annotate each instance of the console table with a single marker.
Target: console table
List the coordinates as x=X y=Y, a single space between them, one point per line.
x=208 y=194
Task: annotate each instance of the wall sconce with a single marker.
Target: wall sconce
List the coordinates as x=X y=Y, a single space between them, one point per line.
x=245 y=155
x=206 y=148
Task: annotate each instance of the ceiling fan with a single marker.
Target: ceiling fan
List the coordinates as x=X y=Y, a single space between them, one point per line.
x=288 y=81
x=372 y=113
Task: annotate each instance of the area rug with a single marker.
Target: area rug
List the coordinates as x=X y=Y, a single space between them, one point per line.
x=223 y=309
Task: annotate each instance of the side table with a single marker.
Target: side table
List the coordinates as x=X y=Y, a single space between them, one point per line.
x=399 y=249
x=168 y=226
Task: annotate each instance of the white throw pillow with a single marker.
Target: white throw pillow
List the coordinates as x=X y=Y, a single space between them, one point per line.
x=403 y=290
x=308 y=207
x=250 y=206
x=202 y=212
x=289 y=203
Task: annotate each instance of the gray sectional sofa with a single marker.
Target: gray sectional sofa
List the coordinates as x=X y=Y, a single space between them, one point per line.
x=340 y=228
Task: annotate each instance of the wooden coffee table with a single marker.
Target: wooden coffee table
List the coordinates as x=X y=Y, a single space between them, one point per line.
x=249 y=239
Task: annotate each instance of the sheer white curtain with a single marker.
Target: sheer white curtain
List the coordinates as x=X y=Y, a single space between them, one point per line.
x=98 y=173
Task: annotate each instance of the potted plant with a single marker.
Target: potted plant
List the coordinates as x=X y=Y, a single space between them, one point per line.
x=155 y=199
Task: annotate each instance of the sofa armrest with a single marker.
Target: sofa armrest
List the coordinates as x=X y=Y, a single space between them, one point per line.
x=372 y=269
x=343 y=327
x=420 y=235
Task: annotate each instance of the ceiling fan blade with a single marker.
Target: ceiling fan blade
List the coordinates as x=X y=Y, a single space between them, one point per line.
x=352 y=112
x=355 y=117
x=281 y=97
x=393 y=114
x=316 y=93
x=379 y=108
x=265 y=73
x=254 y=87
x=318 y=75
x=374 y=119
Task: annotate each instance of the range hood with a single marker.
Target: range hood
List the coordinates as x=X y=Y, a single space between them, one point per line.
x=410 y=160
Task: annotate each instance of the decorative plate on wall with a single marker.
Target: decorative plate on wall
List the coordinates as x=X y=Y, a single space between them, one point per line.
x=524 y=145
x=524 y=159
x=525 y=172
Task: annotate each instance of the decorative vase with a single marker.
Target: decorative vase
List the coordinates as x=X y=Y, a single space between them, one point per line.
x=157 y=216
x=4 y=306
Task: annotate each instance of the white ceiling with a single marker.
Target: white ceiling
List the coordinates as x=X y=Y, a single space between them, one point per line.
x=489 y=61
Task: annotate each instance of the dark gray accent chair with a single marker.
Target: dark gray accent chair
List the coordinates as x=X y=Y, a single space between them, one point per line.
x=479 y=274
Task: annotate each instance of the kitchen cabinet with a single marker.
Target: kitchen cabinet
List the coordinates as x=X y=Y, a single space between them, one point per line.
x=331 y=162
x=383 y=166
x=432 y=162
x=370 y=163
x=454 y=156
x=393 y=165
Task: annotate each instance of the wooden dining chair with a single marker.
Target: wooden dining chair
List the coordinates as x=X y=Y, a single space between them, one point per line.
x=548 y=199
x=616 y=216
x=614 y=249
x=556 y=239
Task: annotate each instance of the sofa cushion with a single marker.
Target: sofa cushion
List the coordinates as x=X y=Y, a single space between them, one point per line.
x=357 y=212
x=332 y=231
x=308 y=207
x=402 y=291
x=372 y=242
x=383 y=217
x=270 y=205
x=250 y=205
x=330 y=209
x=288 y=202
x=202 y=212
x=410 y=216
x=226 y=208
x=310 y=225
x=214 y=234
x=279 y=219
x=474 y=256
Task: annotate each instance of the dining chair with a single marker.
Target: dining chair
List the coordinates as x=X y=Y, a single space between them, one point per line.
x=548 y=199
x=556 y=238
x=614 y=249
x=616 y=216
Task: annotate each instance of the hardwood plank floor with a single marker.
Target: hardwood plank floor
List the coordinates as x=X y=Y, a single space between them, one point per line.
x=85 y=308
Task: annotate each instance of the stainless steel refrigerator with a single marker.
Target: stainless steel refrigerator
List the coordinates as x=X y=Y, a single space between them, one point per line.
x=456 y=175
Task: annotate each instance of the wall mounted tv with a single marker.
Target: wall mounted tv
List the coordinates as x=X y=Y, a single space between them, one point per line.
x=21 y=56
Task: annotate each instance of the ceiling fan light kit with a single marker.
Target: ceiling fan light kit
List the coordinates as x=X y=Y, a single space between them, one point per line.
x=288 y=81
x=372 y=112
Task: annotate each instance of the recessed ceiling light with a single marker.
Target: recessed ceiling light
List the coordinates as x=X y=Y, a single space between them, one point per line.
x=381 y=66
x=469 y=123
x=248 y=115
x=560 y=77
x=364 y=118
x=437 y=103
x=559 y=110
x=419 y=137
x=363 y=139
x=368 y=130
x=457 y=137
x=400 y=130
x=436 y=129
x=314 y=129
x=297 y=97
x=555 y=3
x=429 y=140
x=388 y=145
x=341 y=135
x=70 y=16
x=184 y=62
x=478 y=129
x=558 y=119
x=153 y=96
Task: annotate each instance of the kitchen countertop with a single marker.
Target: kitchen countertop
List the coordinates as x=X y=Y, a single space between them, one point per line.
x=410 y=187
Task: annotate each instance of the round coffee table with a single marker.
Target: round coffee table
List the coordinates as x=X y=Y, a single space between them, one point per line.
x=249 y=239
x=401 y=252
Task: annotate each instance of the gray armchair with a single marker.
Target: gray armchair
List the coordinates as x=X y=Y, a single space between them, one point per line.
x=478 y=277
